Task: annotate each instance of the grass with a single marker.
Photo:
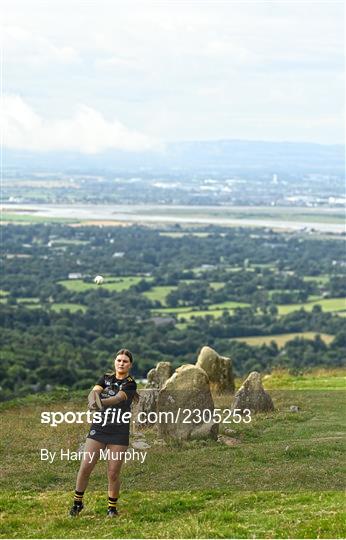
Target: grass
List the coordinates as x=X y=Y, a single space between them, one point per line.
x=28 y=300
x=331 y=305
x=111 y=283
x=283 y=479
x=17 y=217
x=229 y=305
x=328 y=305
x=282 y=339
x=188 y=312
x=216 y=285
x=71 y=307
x=208 y=514
x=165 y=310
x=159 y=293
x=323 y=278
x=187 y=315
x=315 y=379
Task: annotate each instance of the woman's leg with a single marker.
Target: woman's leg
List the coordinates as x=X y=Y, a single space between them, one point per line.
x=115 y=462
x=88 y=463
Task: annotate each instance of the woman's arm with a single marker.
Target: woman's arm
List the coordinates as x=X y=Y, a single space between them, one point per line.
x=91 y=397
x=114 y=400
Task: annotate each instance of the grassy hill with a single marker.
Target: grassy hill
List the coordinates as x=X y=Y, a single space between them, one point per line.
x=282 y=476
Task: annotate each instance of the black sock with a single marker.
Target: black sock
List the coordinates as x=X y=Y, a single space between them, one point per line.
x=78 y=498
x=112 y=502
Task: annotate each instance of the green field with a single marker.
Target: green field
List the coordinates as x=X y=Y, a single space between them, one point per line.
x=216 y=285
x=319 y=279
x=7 y=217
x=284 y=478
x=28 y=300
x=73 y=308
x=337 y=305
x=111 y=283
x=229 y=305
x=282 y=339
x=316 y=379
x=185 y=313
x=328 y=305
x=159 y=293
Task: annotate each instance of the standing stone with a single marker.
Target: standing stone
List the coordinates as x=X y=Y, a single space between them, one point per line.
x=148 y=396
x=159 y=375
x=147 y=403
x=186 y=390
x=218 y=369
x=251 y=395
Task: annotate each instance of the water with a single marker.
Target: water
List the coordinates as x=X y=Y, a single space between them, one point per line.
x=177 y=214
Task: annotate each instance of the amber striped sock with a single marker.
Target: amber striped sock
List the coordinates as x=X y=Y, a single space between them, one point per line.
x=78 y=497
x=112 y=502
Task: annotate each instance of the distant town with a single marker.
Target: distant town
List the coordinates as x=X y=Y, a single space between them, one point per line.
x=266 y=189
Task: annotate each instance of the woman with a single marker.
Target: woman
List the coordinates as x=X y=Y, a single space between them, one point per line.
x=112 y=391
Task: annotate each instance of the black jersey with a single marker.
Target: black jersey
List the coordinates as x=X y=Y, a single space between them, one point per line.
x=111 y=386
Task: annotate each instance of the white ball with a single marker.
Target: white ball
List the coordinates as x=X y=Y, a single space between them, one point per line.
x=98 y=280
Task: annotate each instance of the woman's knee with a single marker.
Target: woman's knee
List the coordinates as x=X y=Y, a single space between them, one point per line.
x=86 y=468
x=113 y=473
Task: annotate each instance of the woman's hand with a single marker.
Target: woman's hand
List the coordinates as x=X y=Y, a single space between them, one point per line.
x=94 y=401
x=91 y=400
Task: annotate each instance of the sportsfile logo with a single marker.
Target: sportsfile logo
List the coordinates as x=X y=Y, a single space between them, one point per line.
x=117 y=416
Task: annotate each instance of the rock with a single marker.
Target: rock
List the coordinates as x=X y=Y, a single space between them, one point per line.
x=138 y=435
x=158 y=376
x=229 y=441
x=251 y=395
x=140 y=445
x=294 y=408
x=147 y=403
x=229 y=431
x=218 y=369
x=148 y=396
x=187 y=389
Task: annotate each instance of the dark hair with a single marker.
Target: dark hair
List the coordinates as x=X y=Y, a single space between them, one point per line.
x=127 y=353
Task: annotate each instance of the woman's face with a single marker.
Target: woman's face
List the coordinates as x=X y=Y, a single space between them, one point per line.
x=122 y=364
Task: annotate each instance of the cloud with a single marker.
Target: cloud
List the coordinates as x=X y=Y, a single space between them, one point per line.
x=114 y=62
x=86 y=131
x=36 y=50
x=231 y=50
x=177 y=70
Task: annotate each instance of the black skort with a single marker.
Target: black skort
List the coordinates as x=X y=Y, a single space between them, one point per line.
x=109 y=438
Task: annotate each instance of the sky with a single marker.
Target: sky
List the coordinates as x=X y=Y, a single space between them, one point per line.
x=96 y=75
